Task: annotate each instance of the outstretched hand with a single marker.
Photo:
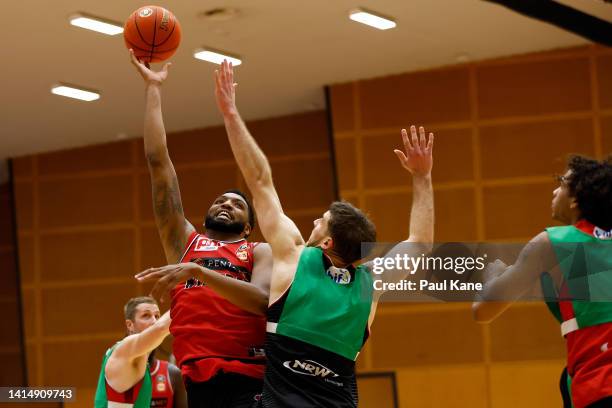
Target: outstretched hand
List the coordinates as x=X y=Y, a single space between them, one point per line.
x=225 y=88
x=147 y=73
x=417 y=158
x=167 y=277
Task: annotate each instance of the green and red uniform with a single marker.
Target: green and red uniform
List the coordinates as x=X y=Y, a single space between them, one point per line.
x=583 y=306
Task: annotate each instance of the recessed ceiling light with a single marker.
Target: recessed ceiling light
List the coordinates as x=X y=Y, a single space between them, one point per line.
x=70 y=91
x=216 y=57
x=97 y=24
x=372 y=19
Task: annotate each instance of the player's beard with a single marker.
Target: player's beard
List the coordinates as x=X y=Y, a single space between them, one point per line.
x=231 y=227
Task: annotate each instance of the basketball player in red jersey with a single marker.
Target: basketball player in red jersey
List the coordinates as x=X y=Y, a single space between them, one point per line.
x=123 y=377
x=218 y=344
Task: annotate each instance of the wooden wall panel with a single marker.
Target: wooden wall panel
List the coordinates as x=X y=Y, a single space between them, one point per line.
x=606 y=130
x=343 y=110
x=292 y=135
x=443 y=386
x=152 y=253
x=85 y=309
x=28 y=307
x=400 y=340
x=97 y=200
x=521 y=217
x=22 y=167
x=12 y=369
x=604 y=80
x=345 y=163
x=24 y=202
x=381 y=166
x=110 y=156
x=10 y=335
x=391 y=215
x=398 y=100
x=517 y=338
x=99 y=255
x=533 y=149
x=531 y=88
x=304 y=183
x=518 y=384
x=455 y=215
x=9 y=287
x=26 y=259
x=90 y=355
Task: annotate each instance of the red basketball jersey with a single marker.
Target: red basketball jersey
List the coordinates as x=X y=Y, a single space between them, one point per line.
x=162 y=394
x=210 y=333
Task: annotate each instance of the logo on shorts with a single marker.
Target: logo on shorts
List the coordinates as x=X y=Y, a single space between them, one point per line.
x=145 y=12
x=309 y=367
x=339 y=275
x=601 y=233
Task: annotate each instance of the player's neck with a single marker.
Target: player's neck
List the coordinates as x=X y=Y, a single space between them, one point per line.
x=222 y=236
x=335 y=260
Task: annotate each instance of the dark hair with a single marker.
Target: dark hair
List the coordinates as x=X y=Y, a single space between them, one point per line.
x=349 y=227
x=129 y=310
x=249 y=205
x=590 y=183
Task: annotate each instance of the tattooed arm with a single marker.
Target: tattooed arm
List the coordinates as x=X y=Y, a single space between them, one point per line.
x=173 y=227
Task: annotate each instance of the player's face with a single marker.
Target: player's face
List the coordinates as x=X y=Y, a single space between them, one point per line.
x=228 y=213
x=146 y=315
x=320 y=232
x=562 y=204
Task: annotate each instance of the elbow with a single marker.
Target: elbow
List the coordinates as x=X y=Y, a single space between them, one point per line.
x=158 y=158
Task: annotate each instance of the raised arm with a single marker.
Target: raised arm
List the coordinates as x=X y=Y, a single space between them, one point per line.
x=173 y=227
x=128 y=360
x=417 y=158
x=278 y=230
x=503 y=285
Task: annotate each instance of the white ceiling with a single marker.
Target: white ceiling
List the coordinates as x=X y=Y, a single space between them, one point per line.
x=291 y=49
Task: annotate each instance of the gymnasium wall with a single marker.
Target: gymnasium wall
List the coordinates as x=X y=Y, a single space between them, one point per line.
x=12 y=370
x=85 y=226
x=503 y=127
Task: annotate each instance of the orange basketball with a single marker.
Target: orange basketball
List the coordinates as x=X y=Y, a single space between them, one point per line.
x=153 y=33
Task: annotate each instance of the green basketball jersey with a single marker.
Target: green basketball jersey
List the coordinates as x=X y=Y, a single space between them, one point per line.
x=143 y=400
x=327 y=307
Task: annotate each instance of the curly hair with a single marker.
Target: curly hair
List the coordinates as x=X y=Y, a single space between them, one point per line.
x=590 y=184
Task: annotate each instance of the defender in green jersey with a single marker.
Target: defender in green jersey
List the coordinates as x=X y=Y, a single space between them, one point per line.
x=125 y=378
x=572 y=265
x=321 y=302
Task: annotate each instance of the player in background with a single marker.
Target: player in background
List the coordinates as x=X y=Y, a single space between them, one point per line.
x=131 y=376
x=571 y=265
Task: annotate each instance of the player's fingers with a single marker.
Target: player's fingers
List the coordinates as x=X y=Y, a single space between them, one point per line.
x=430 y=143
x=401 y=156
x=406 y=140
x=415 y=139
x=423 y=142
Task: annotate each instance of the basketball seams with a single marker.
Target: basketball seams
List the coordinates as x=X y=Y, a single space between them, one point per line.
x=138 y=28
x=154 y=33
x=169 y=35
